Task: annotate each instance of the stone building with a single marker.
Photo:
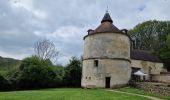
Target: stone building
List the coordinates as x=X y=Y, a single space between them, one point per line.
x=108 y=60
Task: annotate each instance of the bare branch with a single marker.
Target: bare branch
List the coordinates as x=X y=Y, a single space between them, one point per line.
x=46 y=49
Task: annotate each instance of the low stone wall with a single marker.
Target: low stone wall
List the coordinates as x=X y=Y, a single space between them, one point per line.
x=165 y=78
x=159 y=88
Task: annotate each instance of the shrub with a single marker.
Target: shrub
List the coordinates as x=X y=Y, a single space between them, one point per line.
x=4 y=83
x=73 y=72
x=35 y=73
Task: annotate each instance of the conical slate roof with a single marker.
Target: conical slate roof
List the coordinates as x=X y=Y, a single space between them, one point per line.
x=107 y=18
x=106 y=25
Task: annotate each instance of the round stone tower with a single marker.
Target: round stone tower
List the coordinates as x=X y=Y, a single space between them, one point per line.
x=106 y=58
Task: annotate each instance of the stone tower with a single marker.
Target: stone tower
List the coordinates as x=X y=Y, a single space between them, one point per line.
x=106 y=58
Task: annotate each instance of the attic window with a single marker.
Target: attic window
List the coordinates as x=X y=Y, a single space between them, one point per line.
x=96 y=63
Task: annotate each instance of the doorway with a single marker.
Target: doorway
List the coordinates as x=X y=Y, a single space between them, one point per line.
x=134 y=77
x=107 y=82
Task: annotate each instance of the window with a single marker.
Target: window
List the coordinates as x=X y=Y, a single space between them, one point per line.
x=96 y=63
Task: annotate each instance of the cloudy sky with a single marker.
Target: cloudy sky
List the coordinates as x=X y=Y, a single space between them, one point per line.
x=65 y=22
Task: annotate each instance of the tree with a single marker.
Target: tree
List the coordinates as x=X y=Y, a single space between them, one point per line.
x=73 y=73
x=164 y=53
x=4 y=83
x=153 y=36
x=60 y=72
x=35 y=73
x=150 y=35
x=168 y=40
x=46 y=49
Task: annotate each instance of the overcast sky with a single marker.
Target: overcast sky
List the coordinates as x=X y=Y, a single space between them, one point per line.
x=65 y=22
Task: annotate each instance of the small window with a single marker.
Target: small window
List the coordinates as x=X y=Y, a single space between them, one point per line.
x=96 y=63
x=86 y=77
x=89 y=78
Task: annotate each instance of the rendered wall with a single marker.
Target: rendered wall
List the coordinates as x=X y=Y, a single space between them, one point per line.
x=113 y=52
x=107 y=45
x=161 y=78
x=147 y=67
x=118 y=70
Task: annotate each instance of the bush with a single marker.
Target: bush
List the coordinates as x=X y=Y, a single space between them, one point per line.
x=34 y=73
x=60 y=72
x=4 y=83
x=73 y=72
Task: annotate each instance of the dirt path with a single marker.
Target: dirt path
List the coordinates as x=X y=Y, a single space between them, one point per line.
x=149 y=97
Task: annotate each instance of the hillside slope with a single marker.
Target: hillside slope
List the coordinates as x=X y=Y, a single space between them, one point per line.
x=8 y=62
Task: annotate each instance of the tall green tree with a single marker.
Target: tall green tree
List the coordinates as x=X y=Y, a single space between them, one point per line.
x=34 y=73
x=73 y=72
x=152 y=36
x=164 y=53
x=4 y=83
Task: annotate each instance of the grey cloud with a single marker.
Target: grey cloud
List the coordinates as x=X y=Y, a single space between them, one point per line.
x=66 y=22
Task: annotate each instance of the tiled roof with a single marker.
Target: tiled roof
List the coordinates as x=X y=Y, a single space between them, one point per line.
x=106 y=27
x=143 y=55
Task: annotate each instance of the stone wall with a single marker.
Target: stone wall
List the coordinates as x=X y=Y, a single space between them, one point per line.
x=153 y=87
x=94 y=77
x=112 y=50
x=147 y=67
x=165 y=78
x=107 y=45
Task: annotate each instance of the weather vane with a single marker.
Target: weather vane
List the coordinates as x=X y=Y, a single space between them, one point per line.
x=107 y=9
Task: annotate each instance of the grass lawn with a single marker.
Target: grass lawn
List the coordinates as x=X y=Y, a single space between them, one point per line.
x=139 y=91
x=67 y=94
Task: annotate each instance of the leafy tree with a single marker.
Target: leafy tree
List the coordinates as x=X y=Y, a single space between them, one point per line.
x=73 y=73
x=168 y=41
x=153 y=36
x=35 y=73
x=150 y=35
x=4 y=83
x=164 y=53
x=59 y=70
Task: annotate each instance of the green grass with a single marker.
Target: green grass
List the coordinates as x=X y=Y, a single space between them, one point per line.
x=142 y=92
x=67 y=94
